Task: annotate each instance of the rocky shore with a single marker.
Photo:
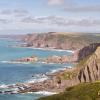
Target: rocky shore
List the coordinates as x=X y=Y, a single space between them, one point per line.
x=52 y=84
x=87 y=70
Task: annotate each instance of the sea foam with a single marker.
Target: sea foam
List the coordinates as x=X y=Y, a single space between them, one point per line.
x=46 y=93
x=38 y=78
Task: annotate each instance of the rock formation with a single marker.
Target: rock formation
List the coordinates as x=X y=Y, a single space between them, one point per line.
x=60 y=59
x=90 y=70
x=87 y=50
x=27 y=59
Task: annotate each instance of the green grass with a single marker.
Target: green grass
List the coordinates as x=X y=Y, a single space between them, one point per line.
x=84 y=91
x=83 y=61
x=67 y=75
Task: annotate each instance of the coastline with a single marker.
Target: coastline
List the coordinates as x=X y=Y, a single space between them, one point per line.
x=22 y=87
x=49 y=49
x=44 y=85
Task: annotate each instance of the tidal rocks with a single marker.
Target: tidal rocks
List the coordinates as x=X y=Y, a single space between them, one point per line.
x=31 y=59
x=60 y=59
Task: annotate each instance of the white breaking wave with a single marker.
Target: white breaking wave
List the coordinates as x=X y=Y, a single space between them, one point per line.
x=50 y=49
x=38 y=78
x=15 y=62
x=4 y=61
x=3 y=86
x=57 y=70
x=45 y=93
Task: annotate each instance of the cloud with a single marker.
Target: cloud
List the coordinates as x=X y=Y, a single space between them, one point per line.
x=6 y=12
x=82 y=9
x=4 y=21
x=55 y=2
x=20 y=12
x=61 y=21
x=31 y=20
x=15 y=12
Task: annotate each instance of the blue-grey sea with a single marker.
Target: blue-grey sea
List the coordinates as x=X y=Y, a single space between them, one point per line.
x=12 y=73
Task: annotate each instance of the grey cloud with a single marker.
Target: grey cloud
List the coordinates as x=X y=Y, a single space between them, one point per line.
x=61 y=21
x=6 y=12
x=31 y=20
x=15 y=12
x=20 y=12
x=4 y=21
x=83 y=8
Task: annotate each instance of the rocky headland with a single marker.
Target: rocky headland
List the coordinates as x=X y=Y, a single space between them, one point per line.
x=57 y=40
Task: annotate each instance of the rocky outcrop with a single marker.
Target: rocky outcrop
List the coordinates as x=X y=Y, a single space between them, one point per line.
x=60 y=59
x=27 y=59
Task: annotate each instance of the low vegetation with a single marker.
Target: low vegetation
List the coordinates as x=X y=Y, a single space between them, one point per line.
x=84 y=91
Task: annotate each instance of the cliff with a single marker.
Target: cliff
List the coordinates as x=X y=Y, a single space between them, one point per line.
x=87 y=76
x=77 y=56
x=87 y=70
x=90 y=68
x=87 y=50
x=60 y=40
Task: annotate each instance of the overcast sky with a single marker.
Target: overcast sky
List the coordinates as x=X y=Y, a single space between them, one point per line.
x=25 y=16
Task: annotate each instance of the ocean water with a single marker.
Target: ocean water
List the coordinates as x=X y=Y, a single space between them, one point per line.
x=12 y=73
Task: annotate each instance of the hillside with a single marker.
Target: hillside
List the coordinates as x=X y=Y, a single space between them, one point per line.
x=62 y=40
x=85 y=91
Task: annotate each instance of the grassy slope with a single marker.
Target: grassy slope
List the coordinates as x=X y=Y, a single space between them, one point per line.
x=84 y=91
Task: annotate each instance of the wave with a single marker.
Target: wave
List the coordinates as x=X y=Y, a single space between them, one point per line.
x=50 y=49
x=15 y=62
x=46 y=93
x=58 y=69
x=38 y=78
x=3 y=86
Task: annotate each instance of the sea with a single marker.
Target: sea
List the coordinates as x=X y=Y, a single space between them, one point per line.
x=13 y=73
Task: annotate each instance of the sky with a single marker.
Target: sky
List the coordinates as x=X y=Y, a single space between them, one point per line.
x=29 y=16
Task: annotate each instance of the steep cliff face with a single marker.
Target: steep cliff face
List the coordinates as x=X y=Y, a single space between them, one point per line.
x=60 y=40
x=90 y=68
x=87 y=70
x=87 y=50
